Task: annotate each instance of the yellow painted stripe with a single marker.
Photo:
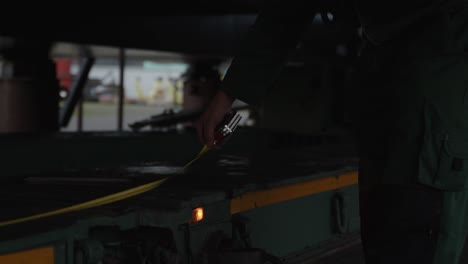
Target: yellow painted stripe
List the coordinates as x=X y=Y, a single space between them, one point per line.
x=36 y=256
x=261 y=198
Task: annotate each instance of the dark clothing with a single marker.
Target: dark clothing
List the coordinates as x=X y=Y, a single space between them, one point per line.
x=413 y=132
x=400 y=220
x=384 y=21
x=412 y=118
x=280 y=25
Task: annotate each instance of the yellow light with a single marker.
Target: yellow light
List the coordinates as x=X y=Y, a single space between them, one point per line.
x=197 y=214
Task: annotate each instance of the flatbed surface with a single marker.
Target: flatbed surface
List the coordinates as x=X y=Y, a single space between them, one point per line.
x=215 y=177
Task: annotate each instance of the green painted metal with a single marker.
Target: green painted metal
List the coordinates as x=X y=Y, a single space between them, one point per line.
x=287 y=227
x=280 y=229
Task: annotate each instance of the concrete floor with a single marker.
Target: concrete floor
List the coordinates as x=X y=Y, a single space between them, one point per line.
x=355 y=255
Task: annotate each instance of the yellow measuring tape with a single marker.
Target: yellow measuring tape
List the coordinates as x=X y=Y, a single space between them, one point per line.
x=103 y=200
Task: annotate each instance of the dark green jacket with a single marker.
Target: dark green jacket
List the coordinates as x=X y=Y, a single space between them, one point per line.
x=279 y=26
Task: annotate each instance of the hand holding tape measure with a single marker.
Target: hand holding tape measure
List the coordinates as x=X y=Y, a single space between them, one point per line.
x=223 y=132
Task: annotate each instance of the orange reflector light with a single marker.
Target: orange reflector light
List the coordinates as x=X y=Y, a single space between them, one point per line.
x=197 y=214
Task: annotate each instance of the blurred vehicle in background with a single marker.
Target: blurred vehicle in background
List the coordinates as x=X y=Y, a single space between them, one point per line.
x=104 y=89
x=101 y=90
x=63 y=66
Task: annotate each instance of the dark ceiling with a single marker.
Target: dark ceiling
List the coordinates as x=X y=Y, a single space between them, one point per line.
x=190 y=27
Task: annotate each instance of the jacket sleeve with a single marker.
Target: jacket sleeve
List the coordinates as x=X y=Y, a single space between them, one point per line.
x=274 y=34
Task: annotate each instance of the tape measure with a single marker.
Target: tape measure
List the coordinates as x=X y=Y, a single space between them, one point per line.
x=222 y=133
x=103 y=200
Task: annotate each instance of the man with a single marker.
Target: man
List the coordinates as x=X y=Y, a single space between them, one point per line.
x=412 y=118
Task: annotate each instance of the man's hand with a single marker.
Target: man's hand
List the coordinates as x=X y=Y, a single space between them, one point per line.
x=214 y=114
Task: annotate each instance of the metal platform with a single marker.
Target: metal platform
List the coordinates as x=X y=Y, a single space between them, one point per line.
x=257 y=200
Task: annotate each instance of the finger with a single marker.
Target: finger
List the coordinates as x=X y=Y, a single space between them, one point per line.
x=199 y=127
x=208 y=133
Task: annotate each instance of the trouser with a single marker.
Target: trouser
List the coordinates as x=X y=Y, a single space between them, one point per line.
x=413 y=135
x=400 y=223
x=412 y=224
x=414 y=183
x=414 y=172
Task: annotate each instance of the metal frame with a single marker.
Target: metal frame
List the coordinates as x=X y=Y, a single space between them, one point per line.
x=76 y=91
